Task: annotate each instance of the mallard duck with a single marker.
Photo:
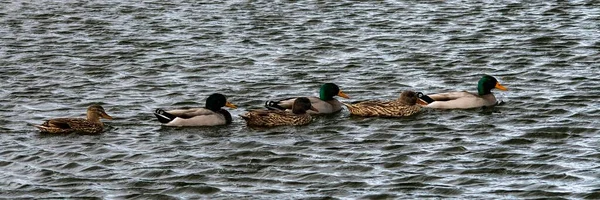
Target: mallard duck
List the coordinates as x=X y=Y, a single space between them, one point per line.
x=406 y=105
x=464 y=99
x=325 y=103
x=211 y=115
x=269 y=118
x=91 y=125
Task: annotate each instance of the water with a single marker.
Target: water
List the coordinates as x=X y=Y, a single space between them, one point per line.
x=57 y=58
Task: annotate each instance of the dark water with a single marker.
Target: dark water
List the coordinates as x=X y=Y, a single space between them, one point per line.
x=57 y=58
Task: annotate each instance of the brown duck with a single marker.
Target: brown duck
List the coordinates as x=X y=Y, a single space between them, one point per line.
x=406 y=105
x=269 y=118
x=91 y=125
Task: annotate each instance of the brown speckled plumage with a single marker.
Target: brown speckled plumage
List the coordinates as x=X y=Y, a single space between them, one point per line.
x=270 y=118
x=91 y=125
x=404 y=106
x=275 y=118
x=69 y=125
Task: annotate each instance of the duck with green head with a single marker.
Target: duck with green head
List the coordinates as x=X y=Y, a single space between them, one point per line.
x=211 y=115
x=269 y=118
x=325 y=103
x=464 y=99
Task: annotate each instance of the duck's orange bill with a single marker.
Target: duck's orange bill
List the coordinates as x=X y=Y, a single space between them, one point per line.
x=500 y=87
x=342 y=94
x=421 y=102
x=313 y=109
x=105 y=116
x=229 y=104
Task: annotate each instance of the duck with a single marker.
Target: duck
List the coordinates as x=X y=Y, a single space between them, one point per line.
x=211 y=114
x=270 y=118
x=406 y=105
x=466 y=100
x=325 y=103
x=89 y=125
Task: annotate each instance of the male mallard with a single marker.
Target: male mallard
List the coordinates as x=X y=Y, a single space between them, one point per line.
x=464 y=99
x=211 y=115
x=91 y=125
x=406 y=105
x=298 y=116
x=325 y=103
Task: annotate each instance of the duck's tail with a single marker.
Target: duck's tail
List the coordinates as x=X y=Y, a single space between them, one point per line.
x=163 y=116
x=44 y=128
x=273 y=105
x=41 y=127
x=351 y=107
x=425 y=98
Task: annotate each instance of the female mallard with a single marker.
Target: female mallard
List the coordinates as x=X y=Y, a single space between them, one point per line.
x=211 y=115
x=325 y=103
x=91 y=125
x=464 y=99
x=268 y=118
x=406 y=105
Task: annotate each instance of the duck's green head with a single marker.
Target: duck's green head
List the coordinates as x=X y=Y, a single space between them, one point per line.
x=328 y=90
x=216 y=101
x=487 y=83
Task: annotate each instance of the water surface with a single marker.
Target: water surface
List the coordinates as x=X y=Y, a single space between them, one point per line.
x=57 y=58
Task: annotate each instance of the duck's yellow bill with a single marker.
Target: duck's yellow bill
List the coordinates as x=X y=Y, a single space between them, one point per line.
x=342 y=94
x=229 y=104
x=314 y=109
x=500 y=87
x=105 y=116
x=421 y=102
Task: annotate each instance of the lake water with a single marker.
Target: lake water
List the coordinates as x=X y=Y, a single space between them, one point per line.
x=58 y=57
